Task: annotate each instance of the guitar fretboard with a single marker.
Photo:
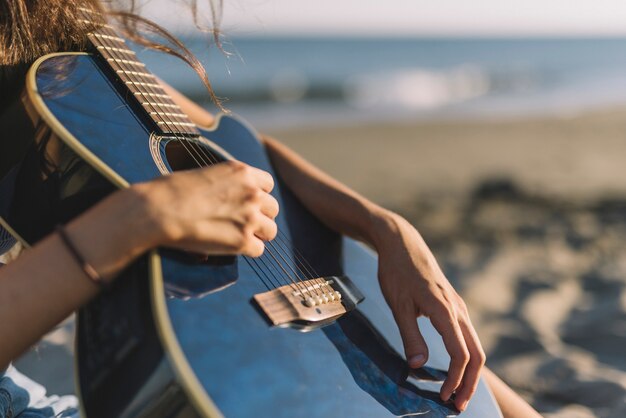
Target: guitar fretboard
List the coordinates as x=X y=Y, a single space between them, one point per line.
x=143 y=85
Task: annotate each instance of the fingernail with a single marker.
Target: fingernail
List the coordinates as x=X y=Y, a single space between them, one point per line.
x=416 y=361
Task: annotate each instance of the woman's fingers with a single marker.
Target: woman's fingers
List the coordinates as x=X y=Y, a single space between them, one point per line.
x=446 y=324
x=474 y=367
x=415 y=347
x=265 y=229
x=254 y=247
x=269 y=206
x=262 y=179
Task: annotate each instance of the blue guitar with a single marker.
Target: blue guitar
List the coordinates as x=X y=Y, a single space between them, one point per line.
x=302 y=331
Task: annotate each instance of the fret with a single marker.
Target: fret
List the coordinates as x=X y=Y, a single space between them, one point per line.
x=170 y=123
x=111 y=37
x=98 y=24
x=179 y=115
x=144 y=86
x=145 y=93
x=110 y=48
x=135 y=73
x=152 y=104
x=140 y=83
x=123 y=61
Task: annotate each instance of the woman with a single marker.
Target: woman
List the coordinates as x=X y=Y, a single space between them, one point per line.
x=57 y=276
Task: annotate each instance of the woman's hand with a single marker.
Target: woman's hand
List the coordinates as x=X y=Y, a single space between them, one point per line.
x=222 y=209
x=410 y=278
x=414 y=285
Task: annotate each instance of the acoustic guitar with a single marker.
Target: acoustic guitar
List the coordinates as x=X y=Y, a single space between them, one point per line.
x=302 y=331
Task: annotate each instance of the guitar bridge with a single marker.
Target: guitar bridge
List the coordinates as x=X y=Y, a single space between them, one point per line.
x=309 y=304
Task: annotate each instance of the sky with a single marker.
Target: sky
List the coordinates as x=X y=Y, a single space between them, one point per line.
x=408 y=17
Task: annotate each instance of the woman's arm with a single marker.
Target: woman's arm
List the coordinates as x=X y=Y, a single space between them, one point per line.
x=226 y=209
x=45 y=284
x=409 y=276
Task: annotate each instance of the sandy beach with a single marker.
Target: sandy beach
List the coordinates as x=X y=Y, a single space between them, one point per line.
x=527 y=218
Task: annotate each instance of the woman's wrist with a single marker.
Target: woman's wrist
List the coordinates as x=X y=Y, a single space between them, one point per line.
x=115 y=232
x=385 y=227
x=150 y=229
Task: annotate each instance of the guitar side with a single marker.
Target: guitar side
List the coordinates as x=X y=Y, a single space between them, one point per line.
x=353 y=366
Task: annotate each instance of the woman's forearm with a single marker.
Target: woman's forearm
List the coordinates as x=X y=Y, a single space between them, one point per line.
x=336 y=205
x=45 y=284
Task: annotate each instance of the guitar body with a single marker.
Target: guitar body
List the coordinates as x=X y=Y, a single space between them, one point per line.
x=176 y=336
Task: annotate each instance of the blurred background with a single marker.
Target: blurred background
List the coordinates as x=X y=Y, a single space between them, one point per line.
x=497 y=127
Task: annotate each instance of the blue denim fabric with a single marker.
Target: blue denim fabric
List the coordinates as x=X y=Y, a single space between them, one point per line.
x=21 y=397
x=13 y=398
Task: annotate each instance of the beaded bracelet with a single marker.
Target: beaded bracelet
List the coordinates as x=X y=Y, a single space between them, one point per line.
x=87 y=268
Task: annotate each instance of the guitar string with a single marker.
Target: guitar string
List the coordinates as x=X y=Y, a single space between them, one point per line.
x=280 y=249
x=199 y=152
x=303 y=259
x=268 y=268
x=269 y=288
x=126 y=69
x=151 y=104
x=118 y=61
x=182 y=139
x=317 y=289
x=278 y=263
x=188 y=145
x=300 y=276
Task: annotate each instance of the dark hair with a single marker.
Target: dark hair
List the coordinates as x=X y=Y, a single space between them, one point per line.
x=30 y=29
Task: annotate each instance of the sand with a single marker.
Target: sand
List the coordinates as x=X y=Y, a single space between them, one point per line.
x=527 y=218
x=579 y=156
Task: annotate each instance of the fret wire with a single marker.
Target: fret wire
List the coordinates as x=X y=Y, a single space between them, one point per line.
x=110 y=37
x=172 y=105
x=182 y=115
x=108 y=50
x=98 y=24
x=161 y=122
x=140 y=64
x=137 y=73
x=122 y=50
x=142 y=84
x=118 y=66
x=164 y=96
x=109 y=45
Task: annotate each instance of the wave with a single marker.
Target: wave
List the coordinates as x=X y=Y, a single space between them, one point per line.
x=416 y=88
x=412 y=88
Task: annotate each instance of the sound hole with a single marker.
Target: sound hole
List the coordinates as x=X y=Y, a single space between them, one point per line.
x=186 y=154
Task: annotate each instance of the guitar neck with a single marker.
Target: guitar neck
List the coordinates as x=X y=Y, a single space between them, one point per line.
x=139 y=81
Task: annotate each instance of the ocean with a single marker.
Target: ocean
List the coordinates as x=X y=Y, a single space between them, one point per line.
x=281 y=82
